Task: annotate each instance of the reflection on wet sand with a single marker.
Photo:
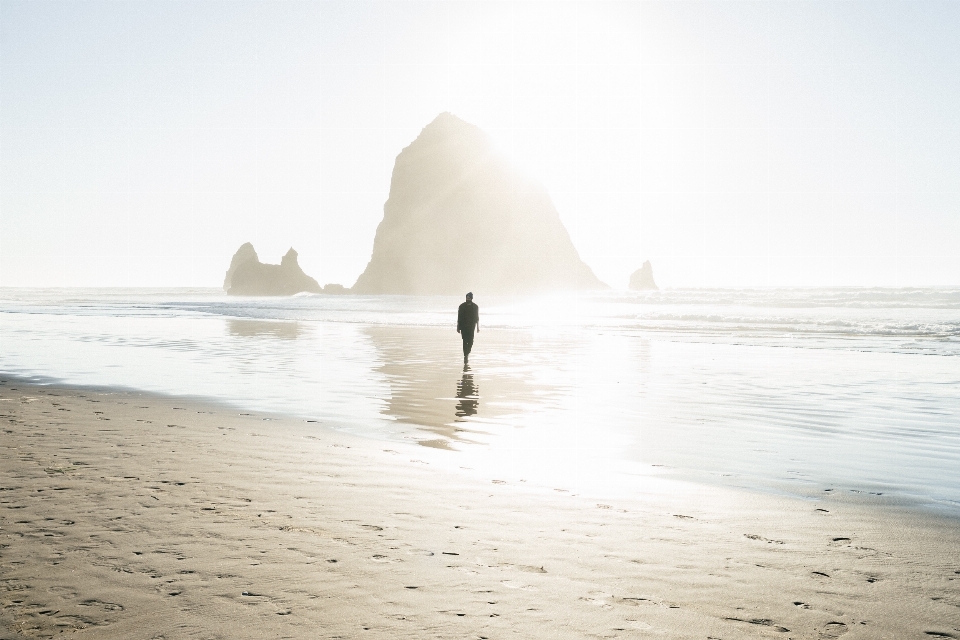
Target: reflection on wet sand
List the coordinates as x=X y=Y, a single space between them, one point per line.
x=264 y=328
x=424 y=364
x=468 y=394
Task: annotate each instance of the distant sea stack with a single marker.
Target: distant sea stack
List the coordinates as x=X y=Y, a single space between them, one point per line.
x=642 y=278
x=335 y=289
x=460 y=219
x=247 y=276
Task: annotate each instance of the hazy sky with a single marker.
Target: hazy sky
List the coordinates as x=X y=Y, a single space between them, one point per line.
x=730 y=143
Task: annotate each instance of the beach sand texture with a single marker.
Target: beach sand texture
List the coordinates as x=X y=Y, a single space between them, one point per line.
x=127 y=515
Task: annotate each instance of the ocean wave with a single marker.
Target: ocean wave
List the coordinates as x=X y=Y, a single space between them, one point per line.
x=873 y=317
x=828 y=325
x=839 y=297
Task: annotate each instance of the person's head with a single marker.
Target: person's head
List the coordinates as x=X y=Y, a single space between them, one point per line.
x=470 y=297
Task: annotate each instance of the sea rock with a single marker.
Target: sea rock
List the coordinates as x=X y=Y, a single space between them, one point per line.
x=460 y=218
x=335 y=289
x=642 y=278
x=246 y=253
x=247 y=276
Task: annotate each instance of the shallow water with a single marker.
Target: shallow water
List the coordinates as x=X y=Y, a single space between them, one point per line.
x=795 y=390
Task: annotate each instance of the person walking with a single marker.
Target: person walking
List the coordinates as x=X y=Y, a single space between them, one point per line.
x=468 y=319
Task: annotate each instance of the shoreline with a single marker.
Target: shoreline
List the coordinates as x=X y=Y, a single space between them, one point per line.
x=128 y=515
x=893 y=499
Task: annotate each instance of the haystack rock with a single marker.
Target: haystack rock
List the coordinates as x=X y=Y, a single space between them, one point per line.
x=247 y=276
x=642 y=278
x=460 y=219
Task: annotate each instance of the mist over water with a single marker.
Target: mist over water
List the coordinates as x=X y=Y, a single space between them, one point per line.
x=797 y=390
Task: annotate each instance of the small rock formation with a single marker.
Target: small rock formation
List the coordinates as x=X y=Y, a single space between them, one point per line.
x=642 y=278
x=247 y=276
x=460 y=219
x=246 y=253
x=335 y=289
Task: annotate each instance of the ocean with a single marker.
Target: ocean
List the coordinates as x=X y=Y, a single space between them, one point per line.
x=852 y=391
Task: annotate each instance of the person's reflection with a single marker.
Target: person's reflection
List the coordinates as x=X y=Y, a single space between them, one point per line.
x=468 y=394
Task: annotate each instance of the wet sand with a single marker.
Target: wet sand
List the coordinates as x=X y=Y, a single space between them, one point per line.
x=128 y=515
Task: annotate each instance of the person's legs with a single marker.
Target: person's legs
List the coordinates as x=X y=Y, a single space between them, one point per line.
x=467 y=343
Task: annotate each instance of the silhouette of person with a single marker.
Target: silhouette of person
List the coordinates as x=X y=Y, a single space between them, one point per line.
x=467 y=395
x=468 y=319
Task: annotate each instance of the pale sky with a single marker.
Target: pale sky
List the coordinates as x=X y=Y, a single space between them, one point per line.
x=731 y=143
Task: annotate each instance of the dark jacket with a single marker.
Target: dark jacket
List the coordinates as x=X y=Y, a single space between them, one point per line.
x=468 y=317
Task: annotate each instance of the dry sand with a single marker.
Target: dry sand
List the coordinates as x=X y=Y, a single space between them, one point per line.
x=126 y=515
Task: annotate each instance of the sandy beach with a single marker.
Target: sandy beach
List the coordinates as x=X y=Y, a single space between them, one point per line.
x=128 y=515
x=484 y=320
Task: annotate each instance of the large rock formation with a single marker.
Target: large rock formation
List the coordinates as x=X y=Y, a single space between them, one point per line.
x=459 y=219
x=247 y=276
x=642 y=278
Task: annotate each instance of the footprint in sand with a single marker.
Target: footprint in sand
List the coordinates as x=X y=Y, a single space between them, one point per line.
x=77 y=622
x=530 y=568
x=833 y=630
x=597 y=601
x=377 y=557
x=527 y=568
x=513 y=584
x=762 y=622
